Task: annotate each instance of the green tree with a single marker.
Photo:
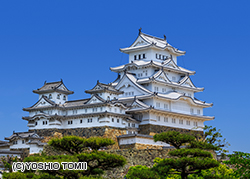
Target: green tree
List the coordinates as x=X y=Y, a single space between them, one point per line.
x=174 y=138
x=8 y=161
x=183 y=161
x=220 y=172
x=141 y=172
x=79 y=150
x=240 y=162
x=213 y=137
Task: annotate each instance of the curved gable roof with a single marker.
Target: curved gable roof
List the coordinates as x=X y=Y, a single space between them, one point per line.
x=132 y=79
x=149 y=40
x=51 y=103
x=53 y=86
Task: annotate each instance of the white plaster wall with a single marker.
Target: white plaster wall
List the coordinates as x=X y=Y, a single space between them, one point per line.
x=34 y=148
x=19 y=144
x=95 y=123
x=54 y=97
x=140 y=140
x=169 y=123
x=150 y=54
x=185 y=107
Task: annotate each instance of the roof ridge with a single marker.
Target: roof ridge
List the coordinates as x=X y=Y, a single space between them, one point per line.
x=153 y=36
x=54 y=82
x=77 y=100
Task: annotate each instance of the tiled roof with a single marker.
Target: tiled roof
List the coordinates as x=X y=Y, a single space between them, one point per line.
x=53 y=86
x=100 y=87
x=24 y=135
x=75 y=103
x=3 y=142
x=142 y=63
x=46 y=99
x=153 y=41
x=38 y=142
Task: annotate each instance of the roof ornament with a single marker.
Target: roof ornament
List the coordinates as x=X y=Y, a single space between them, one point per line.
x=45 y=82
x=97 y=81
x=13 y=132
x=165 y=38
x=140 y=30
x=61 y=80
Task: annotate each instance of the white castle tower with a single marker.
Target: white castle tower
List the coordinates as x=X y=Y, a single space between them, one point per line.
x=151 y=94
x=160 y=92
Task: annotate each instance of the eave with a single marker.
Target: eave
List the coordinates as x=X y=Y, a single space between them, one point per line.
x=156 y=95
x=151 y=63
x=103 y=90
x=204 y=118
x=172 y=85
x=52 y=90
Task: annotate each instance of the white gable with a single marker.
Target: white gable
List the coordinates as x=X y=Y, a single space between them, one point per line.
x=171 y=64
x=188 y=83
x=35 y=135
x=42 y=103
x=162 y=77
x=136 y=106
x=94 y=100
x=139 y=42
x=62 y=87
x=97 y=87
x=127 y=85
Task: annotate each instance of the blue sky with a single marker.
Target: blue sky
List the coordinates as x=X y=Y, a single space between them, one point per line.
x=79 y=40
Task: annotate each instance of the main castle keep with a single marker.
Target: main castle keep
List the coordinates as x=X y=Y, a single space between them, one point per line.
x=151 y=94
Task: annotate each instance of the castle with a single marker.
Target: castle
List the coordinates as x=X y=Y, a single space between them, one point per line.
x=151 y=94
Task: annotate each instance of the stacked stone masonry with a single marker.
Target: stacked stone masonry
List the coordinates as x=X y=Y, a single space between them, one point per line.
x=149 y=129
x=107 y=132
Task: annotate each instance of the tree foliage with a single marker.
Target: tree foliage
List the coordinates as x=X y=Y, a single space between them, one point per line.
x=174 y=138
x=182 y=161
x=80 y=150
x=220 y=172
x=8 y=161
x=141 y=172
x=213 y=137
x=76 y=145
x=241 y=164
x=185 y=162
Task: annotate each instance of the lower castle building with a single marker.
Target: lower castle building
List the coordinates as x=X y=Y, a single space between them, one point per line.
x=151 y=94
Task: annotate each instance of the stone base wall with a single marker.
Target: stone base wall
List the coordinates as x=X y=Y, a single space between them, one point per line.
x=140 y=146
x=25 y=152
x=133 y=157
x=104 y=131
x=149 y=129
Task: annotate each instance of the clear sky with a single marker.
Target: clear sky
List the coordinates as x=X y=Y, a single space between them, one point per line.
x=79 y=40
